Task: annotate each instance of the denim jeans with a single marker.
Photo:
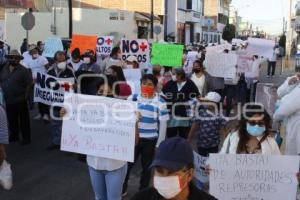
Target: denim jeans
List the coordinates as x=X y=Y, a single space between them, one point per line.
x=56 y=128
x=107 y=185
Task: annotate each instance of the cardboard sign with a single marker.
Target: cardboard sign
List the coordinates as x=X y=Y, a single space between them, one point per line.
x=253 y=176
x=133 y=79
x=221 y=65
x=167 y=55
x=52 y=45
x=50 y=90
x=99 y=126
x=200 y=163
x=105 y=45
x=260 y=47
x=266 y=94
x=84 y=43
x=139 y=48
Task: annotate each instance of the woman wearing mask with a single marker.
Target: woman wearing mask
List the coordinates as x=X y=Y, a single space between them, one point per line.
x=201 y=78
x=89 y=63
x=254 y=134
x=124 y=88
x=59 y=69
x=107 y=175
x=75 y=61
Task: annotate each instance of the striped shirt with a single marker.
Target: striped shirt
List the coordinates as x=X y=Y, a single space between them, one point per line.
x=3 y=127
x=152 y=111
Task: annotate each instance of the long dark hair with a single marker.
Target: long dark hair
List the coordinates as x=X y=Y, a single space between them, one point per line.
x=252 y=110
x=119 y=71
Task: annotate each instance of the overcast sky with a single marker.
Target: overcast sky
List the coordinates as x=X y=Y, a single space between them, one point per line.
x=265 y=14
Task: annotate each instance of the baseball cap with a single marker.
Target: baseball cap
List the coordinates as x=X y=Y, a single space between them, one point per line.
x=212 y=97
x=132 y=59
x=173 y=154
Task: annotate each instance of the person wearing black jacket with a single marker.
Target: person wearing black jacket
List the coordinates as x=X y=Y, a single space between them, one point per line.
x=15 y=81
x=173 y=173
x=59 y=69
x=180 y=94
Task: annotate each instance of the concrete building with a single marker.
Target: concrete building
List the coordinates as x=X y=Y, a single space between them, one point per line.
x=216 y=14
x=88 y=19
x=184 y=20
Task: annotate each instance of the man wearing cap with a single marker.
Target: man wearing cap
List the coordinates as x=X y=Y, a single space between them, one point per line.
x=173 y=173
x=15 y=81
x=132 y=62
x=208 y=124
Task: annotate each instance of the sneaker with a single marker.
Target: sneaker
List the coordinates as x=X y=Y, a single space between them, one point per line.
x=268 y=76
x=38 y=117
x=6 y=176
x=46 y=118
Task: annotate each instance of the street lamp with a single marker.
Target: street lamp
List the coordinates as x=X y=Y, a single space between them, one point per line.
x=152 y=20
x=70 y=18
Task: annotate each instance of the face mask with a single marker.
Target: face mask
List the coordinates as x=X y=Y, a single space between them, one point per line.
x=174 y=78
x=129 y=66
x=87 y=60
x=255 y=130
x=62 y=65
x=197 y=70
x=168 y=187
x=14 y=63
x=147 y=91
x=34 y=56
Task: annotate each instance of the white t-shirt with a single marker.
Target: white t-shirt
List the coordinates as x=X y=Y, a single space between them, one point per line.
x=199 y=82
x=100 y=163
x=38 y=65
x=255 y=70
x=75 y=65
x=27 y=59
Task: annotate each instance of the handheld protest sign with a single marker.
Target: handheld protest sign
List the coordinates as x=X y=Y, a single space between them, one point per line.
x=139 y=48
x=105 y=45
x=52 y=45
x=84 y=43
x=167 y=55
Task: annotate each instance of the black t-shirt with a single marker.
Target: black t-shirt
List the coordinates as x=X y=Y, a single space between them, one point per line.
x=152 y=194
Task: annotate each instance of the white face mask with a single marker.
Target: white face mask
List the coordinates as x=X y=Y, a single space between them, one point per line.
x=174 y=77
x=129 y=66
x=62 y=65
x=168 y=187
x=87 y=60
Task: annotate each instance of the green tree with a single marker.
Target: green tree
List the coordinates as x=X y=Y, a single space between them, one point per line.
x=229 y=32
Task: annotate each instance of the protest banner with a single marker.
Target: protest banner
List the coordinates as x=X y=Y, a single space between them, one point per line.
x=260 y=47
x=84 y=43
x=133 y=79
x=237 y=42
x=99 y=126
x=191 y=57
x=105 y=45
x=266 y=94
x=139 y=48
x=199 y=164
x=221 y=65
x=52 y=45
x=253 y=176
x=51 y=90
x=167 y=55
x=218 y=48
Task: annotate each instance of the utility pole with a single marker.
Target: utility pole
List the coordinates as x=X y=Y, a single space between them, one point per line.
x=152 y=20
x=70 y=18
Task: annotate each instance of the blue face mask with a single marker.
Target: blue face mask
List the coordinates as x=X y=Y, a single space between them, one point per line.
x=255 y=130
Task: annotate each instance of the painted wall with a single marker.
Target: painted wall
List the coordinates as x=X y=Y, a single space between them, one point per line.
x=85 y=21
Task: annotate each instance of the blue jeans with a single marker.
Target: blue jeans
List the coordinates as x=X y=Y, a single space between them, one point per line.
x=107 y=185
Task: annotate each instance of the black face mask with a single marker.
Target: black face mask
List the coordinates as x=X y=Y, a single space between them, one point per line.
x=14 y=63
x=197 y=70
x=110 y=96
